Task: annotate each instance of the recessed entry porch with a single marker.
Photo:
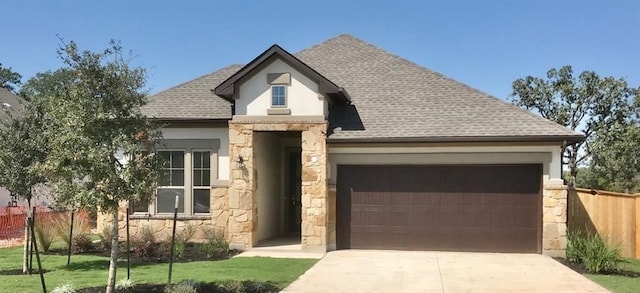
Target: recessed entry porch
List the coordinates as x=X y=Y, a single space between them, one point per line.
x=277 y=188
x=277 y=159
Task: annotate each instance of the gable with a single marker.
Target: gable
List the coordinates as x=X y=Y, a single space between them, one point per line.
x=302 y=96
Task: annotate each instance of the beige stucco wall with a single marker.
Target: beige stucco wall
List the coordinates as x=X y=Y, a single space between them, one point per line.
x=268 y=161
x=254 y=97
x=206 y=133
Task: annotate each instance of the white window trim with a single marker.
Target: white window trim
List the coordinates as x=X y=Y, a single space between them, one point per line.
x=211 y=179
x=153 y=206
x=286 y=98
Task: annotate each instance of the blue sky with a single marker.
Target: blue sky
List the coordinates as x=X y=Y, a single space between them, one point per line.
x=485 y=44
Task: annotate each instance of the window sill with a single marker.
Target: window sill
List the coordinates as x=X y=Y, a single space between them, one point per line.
x=169 y=217
x=278 y=111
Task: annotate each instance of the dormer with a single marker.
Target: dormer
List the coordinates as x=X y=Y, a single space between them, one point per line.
x=277 y=83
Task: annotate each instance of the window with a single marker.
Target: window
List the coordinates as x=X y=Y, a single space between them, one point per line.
x=171 y=183
x=188 y=171
x=201 y=181
x=278 y=96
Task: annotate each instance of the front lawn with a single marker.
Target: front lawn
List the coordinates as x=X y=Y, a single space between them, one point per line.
x=627 y=281
x=90 y=271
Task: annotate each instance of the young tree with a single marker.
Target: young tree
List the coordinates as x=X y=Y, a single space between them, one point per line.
x=586 y=104
x=23 y=145
x=96 y=119
x=8 y=78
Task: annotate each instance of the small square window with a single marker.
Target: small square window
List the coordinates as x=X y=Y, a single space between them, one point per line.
x=278 y=96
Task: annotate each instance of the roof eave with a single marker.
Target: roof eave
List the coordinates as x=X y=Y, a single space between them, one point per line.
x=562 y=139
x=226 y=89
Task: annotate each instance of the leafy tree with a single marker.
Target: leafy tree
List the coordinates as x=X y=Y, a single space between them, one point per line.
x=96 y=119
x=616 y=157
x=47 y=84
x=23 y=145
x=8 y=78
x=587 y=103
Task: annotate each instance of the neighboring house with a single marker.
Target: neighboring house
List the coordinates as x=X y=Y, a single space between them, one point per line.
x=349 y=146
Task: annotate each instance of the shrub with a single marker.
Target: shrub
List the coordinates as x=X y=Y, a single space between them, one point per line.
x=232 y=286
x=125 y=285
x=145 y=245
x=593 y=252
x=106 y=237
x=183 y=238
x=62 y=226
x=44 y=234
x=81 y=243
x=216 y=244
x=260 y=287
x=64 y=288
x=180 y=288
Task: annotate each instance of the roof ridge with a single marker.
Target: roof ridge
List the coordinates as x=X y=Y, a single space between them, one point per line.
x=196 y=79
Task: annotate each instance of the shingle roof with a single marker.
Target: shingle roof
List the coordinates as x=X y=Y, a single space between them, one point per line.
x=192 y=99
x=9 y=102
x=392 y=98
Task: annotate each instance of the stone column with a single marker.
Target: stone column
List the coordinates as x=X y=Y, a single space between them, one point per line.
x=554 y=219
x=314 y=187
x=242 y=201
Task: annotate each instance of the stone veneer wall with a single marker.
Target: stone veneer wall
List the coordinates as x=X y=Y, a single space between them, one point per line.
x=243 y=207
x=162 y=225
x=554 y=219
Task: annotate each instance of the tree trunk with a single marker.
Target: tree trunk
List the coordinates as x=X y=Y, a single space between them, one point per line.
x=573 y=166
x=25 y=255
x=27 y=239
x=115 y=247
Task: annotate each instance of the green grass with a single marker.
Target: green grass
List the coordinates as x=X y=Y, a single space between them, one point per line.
x=618 y=283
x=89 y=271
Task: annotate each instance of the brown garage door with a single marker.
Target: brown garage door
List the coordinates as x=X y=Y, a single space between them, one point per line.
x=490 y=208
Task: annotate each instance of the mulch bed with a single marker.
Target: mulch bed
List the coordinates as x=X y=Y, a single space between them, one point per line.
x=580 y=268
x=208 y=287
x=193 y=252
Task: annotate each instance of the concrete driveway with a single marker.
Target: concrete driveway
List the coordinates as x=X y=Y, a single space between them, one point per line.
x=408 y=271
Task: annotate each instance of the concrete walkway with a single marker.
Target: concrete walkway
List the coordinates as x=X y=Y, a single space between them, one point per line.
x=407 y=271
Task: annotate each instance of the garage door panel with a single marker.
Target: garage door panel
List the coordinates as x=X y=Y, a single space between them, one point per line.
x=463 y=208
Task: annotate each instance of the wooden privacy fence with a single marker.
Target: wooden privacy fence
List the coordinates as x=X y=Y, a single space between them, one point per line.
x=614 y=216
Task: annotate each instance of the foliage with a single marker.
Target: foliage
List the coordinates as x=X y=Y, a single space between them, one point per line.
x=180 y=288
x=23 y=145
x=106 y=237
x=44 y=234
x=146 y=245
x=215 y=244
x=47 y=84
x=593 y=252
x=588 y=103
x=101 y=145
x=81 y=243
x=182 y=238
x=64 y=288
x=232 y=286
x=8 y=78
x=616 y=158
x=125 y=284
x=62 y=226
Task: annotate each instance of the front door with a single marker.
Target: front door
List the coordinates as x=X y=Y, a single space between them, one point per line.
x=293 y=183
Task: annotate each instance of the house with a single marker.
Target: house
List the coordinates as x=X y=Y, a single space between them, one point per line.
x=345 y=145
